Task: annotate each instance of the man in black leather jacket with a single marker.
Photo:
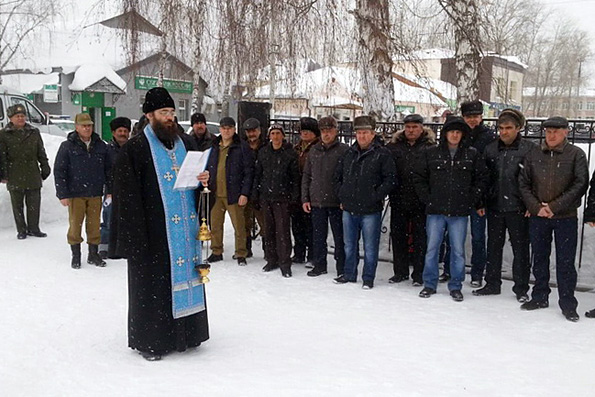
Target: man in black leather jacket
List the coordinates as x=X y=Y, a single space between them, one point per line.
x=505 y=208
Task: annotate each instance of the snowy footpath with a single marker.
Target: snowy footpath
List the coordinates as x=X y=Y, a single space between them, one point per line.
x=63 y=333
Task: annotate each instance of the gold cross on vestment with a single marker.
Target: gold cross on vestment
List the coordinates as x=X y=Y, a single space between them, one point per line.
x=176 y=169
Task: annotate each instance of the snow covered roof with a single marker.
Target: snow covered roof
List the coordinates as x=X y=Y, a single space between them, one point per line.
x=30 y=83
x=90 y=73
x=447 y=90
x=340 y=86
x=433 y=53
x=444 y=53
x=509 y=58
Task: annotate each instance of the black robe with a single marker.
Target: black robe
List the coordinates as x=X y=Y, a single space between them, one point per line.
x=139 y=235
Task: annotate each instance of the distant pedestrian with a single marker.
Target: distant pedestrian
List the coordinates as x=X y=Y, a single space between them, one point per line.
x=81 y=170
x=23 y=166
x=554 y=177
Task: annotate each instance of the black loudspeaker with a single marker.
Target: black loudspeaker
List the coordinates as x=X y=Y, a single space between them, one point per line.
x=259 y=110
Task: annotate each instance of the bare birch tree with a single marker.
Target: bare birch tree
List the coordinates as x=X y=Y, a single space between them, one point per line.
x=464 y=17
x=374 y=57
x=18 y=20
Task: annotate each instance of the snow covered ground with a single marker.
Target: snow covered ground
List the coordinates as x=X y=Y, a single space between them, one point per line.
x=64 y=334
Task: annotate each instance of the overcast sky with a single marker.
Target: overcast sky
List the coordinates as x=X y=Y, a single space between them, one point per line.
x=582 y=12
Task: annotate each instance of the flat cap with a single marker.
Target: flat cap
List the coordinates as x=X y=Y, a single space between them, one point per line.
x=556 y=122
x=83 y=119
x=413 y=118
x=227 y=122
x=327 y=122
x=251 y=124
x=364 y=123
x=471 y=108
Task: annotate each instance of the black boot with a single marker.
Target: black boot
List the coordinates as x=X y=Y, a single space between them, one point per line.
x=76 y=256
x=249 y=247
x=93 y=258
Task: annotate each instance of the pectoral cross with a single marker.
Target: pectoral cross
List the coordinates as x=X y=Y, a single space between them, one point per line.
x=175 y=167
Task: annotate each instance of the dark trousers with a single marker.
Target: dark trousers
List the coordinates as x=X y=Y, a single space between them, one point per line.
x=565 y=232
x=32 y=199
x=403 y=226
x=320 y=221
x=518 y=228
x=301 y=227
x=106 y=216
x=252 y=216
x=277 y=244
x=478 y=245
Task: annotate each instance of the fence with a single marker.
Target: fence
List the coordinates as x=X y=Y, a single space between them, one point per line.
x=581 y=132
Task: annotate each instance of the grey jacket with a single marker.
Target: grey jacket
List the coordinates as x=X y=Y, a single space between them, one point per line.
x=317 y=180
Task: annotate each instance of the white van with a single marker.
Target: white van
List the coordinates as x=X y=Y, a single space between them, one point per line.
x=35 y=117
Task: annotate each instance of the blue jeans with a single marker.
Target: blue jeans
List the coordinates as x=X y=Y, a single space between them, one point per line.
x=566 y=233
x=369 y=226
x=105 y=231
x=321 y=217
x=457 y=232
x=478 y=245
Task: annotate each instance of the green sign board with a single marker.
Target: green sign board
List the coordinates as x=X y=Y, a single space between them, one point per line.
x=179 y=86
x=76 y=98
x=402 y=108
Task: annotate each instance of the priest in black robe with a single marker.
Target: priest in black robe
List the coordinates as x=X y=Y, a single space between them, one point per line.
x=154 y=229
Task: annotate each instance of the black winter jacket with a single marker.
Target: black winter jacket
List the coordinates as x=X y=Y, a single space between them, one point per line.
x=204 y=142
x=558 y=176
x=406 y=156
x=504 y=164
x=480 y=137
x=113 y=148
x=79 y=172
x=239 y=169
x=277 y=175
x=589 y=215
x=364 y=179
x=451 y=187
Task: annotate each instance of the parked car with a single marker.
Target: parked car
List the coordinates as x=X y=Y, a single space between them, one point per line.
x=64 y=124
x=35 y=117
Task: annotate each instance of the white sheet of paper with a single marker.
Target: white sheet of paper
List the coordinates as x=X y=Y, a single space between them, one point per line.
x=194 y=164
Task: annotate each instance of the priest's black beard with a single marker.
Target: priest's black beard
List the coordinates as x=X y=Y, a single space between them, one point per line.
x=166 y=133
